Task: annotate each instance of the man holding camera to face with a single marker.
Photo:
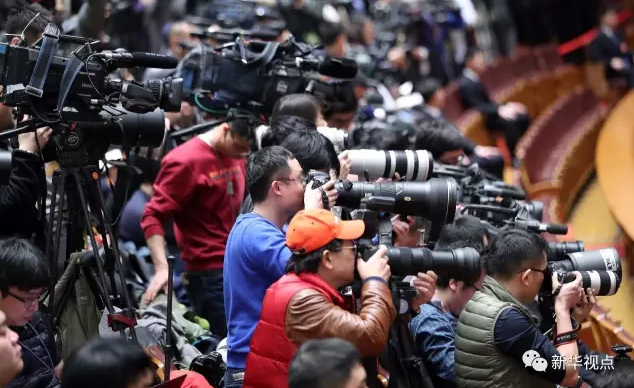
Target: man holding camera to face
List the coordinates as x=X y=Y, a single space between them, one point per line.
x=305 y=303
x=496 y=333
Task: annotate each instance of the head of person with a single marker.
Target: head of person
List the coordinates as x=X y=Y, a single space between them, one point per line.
x=432 y=91
x=108 y=362
x=440 y=137
x=466 y=231
x=610 y=18
x=275 y=178
x=323 y=244
x=10 y=352
x=179 y=33
x=474 y=61
x=282 y=126
x=301 y=105
x=313 y=151
x=233 y=139
x=517 y=259
x=340 y=103
x=22 y=18
x=24 y=276
x=327 y=363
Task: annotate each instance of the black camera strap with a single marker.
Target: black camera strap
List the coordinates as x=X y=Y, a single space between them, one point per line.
x=73 y=67
x=50 y=38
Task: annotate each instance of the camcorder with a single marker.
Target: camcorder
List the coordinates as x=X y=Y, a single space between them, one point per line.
x=254 y=75
x=87 y=111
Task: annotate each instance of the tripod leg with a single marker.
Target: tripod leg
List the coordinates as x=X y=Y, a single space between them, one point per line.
x=115 y=249
x=58 y=181
x=49 y=243
x=93 y=242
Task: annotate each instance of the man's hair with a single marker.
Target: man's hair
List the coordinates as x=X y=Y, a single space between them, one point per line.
x=309 y=262
x=21 y=13
x=604 y=10
x=105 y=363
x=511 y=251
x=466 y=231
x=437 y=135
x=300 y=105
x=22 y=265
x=313 y=151
x=262 y=168
x=283 y=126
x=323 y=363
x=242 y=128
x=471 y=53
x=337 y=97
x=428 y=88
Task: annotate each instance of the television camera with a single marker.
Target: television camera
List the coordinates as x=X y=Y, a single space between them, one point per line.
x=87 y=112
x=253 y=75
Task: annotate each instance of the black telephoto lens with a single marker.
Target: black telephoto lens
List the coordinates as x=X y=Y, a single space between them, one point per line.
x=143 y=130
x=168 y=92
x=603 y=283
x=460 y=264
x=557 y=250
x=434 y=200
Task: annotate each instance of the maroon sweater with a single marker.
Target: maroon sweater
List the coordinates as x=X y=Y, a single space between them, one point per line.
x=202 y=192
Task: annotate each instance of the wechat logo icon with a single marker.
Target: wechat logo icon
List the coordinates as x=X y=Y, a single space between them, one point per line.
x=532 y=359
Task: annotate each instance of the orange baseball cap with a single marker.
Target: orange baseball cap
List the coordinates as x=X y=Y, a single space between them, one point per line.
x=312 y=229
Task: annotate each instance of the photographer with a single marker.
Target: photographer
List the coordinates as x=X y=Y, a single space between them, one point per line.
x=305 y=303
x=495 y=330
x=256 y=253
x=434 y=328
x=200 y=186
x=24 y=275
x=327 y=363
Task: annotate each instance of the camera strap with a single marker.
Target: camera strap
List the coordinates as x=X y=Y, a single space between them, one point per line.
x=50 y=39
x=73 y=67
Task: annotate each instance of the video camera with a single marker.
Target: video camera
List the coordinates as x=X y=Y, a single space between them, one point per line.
x=78 y=101
x=254 y=75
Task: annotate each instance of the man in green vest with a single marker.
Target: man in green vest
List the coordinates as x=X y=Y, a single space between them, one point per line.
x=498 y=343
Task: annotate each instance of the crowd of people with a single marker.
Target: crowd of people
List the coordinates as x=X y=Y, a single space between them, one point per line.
x=269 y=272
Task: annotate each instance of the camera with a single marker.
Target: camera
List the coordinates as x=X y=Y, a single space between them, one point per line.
x=600 y=270
x=410 y=165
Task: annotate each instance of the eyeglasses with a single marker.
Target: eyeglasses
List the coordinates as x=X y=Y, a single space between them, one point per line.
x=27 y=302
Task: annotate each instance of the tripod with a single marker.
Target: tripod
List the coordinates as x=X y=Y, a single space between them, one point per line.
x=80 y=184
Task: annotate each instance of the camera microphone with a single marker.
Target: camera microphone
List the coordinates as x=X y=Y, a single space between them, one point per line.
x=125 y=59
x=503 y=192
x=342 y=68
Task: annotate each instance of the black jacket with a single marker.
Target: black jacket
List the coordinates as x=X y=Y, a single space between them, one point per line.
x=19 y=198
x=474 y=95
x=604 y=47
x=39 y=355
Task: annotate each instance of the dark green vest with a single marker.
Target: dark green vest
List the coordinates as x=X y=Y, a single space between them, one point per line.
x=478 y=362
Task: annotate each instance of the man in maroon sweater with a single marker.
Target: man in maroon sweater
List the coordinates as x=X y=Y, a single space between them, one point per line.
x=200 y=186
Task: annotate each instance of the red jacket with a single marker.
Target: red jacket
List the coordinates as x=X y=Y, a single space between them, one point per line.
x=202 y=192
x=271 y=349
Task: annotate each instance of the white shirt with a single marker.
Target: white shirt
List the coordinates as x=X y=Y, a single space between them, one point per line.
x=472 y=75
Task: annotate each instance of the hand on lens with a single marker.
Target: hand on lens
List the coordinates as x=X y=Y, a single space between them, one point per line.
x=570 y=293
x=313 y=198
x=375 y=266
x=346 y=164
x=583 y=308
x=34 y=141
x=425 y=285
x=405 y=235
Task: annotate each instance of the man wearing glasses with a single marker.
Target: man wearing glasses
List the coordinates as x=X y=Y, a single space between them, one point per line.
x=497 y=337
x=434 y=327
x=24 y=276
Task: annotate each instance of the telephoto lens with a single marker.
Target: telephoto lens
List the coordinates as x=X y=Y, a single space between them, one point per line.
x=338 y=137
x=557 y=250
x=603 y=283
x=411 y=165
x=434 y=200
x=601 y=260
x=460 y=264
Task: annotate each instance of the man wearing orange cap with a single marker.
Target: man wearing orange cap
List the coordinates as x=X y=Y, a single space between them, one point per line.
x=305 y=303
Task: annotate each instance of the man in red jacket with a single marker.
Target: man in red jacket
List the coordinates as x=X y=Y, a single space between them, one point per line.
x=305 y=303
x=200 y=186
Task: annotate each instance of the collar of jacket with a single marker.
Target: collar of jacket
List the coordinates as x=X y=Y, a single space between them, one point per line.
x=317 y=281
x=492 y=288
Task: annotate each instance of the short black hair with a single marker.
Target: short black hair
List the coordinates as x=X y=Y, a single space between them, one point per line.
x=323 y=363
x=300 y=105
x=511 y=251
x=105 y=363
x=22 y=13
x=283 y=126
x=22 y=265
x=337 y=97
x=428 y=88
x=471 y=53
x=604 y=10
x=262 y=168
x=243 y=128
x=438 y=135
x=466 y=231
x=309 y=262
x=313 y=151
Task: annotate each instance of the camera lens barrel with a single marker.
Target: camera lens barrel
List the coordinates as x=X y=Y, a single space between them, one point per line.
x=600 y=260
x=460 y=264
x=603 y=283
x=557 y=250
x=411 y=165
